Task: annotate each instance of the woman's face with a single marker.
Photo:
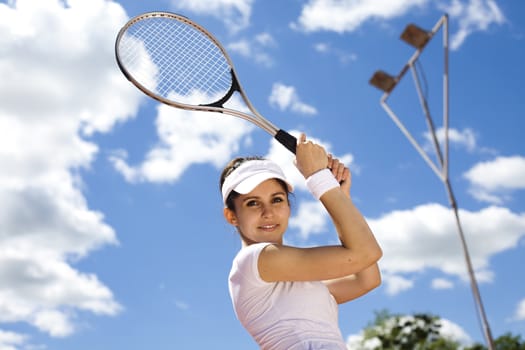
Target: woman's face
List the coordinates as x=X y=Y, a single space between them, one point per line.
x=261 y=215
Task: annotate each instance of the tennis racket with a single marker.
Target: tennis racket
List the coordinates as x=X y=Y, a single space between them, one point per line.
x=177 y=62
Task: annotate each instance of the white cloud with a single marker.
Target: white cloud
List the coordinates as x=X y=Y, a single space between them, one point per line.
x=349 y=15
x=453 y=331
x=54 y=92
x=465 y=138
x=212 y=138
x=54 y=322
x=426 y=237
x=342 y=56
x=476 y=15
x=346 y=16
x=265 y=39
x=234 y=13
x=396 y=284
x=442 y=283
x=285 y=97
x=11 y=340
x=255 y=49
x=491 y=181
x=242 y=47
x=322 y=47
x=487 y=197
x=181 y=305
x=311 y=219
x=500 y=173
x=520 y=311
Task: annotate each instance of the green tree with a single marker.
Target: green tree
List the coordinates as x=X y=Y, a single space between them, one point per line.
x=406 y=332
x=506 y=341
x=420 y=332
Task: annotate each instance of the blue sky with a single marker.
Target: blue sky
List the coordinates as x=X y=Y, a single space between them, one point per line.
x=111 y=228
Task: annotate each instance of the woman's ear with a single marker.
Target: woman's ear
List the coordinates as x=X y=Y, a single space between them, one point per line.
x=229 y=215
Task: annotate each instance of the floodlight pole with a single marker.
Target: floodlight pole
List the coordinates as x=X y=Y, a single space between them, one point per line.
x=387 y=83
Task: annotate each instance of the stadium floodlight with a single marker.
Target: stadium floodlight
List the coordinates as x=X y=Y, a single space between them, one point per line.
x=383 y=81
x=415 y=36
x=419 y=38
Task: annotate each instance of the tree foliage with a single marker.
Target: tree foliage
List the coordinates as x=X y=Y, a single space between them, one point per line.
x=421 y=332
x=505 y=342
x=406 y=332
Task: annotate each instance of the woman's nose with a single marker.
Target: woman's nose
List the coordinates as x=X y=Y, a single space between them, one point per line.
x=267 y=211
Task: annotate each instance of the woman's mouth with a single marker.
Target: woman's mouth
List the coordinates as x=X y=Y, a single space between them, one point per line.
x=268 y=227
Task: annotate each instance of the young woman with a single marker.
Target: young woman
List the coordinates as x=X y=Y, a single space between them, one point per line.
x=287 y=297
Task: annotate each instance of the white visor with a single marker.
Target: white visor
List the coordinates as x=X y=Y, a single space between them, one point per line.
x=249 y=175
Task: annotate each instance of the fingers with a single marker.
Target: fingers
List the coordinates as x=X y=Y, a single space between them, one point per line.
x=339 y=170
x=311 y=157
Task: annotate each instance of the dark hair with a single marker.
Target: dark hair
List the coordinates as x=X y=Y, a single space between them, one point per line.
x=230 y=167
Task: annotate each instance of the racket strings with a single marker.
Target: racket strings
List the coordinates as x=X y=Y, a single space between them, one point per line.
x=210 y=72
x=195 y=51
x=175 y=60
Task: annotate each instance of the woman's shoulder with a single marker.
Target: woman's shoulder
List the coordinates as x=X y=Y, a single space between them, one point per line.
x=253 y=250
x=245 y=262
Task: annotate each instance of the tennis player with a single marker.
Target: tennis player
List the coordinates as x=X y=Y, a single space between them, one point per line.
x=286 y=297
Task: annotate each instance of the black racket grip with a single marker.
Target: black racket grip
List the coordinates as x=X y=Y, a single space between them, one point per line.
x=287 y=140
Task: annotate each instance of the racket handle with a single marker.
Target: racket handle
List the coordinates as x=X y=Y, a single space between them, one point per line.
x=287 y=140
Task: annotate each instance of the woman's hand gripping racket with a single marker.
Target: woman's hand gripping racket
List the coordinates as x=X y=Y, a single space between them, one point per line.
x=179 y=63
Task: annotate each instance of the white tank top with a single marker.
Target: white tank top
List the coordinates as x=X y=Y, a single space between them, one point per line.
x=283 y=315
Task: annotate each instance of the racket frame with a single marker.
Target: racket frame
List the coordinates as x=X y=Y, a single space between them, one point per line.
x=286 y=139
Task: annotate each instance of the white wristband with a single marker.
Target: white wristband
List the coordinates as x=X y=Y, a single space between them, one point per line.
x=321 y=182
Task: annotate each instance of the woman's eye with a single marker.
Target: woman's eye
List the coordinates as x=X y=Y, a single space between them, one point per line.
x=278 y=200
x=251 y=203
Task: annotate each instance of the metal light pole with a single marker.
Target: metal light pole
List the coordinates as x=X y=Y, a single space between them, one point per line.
x=419 y=38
